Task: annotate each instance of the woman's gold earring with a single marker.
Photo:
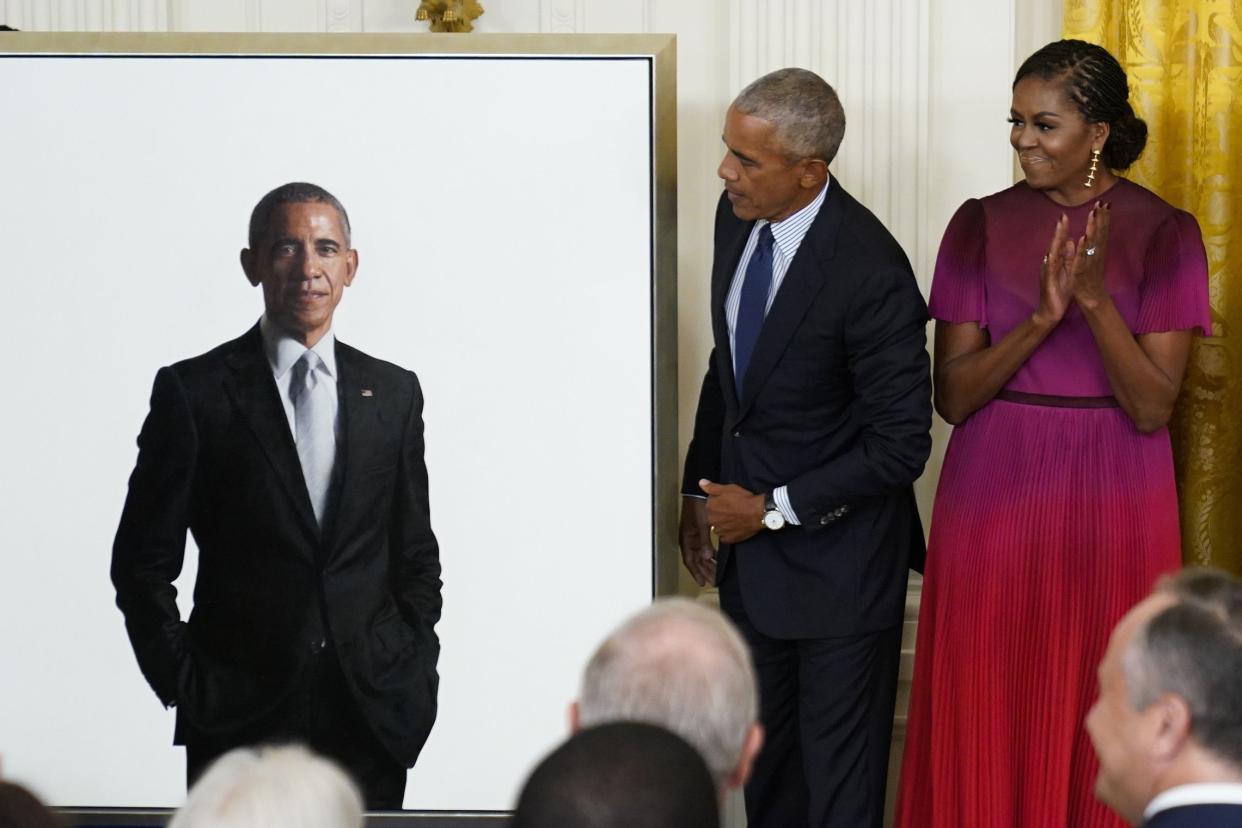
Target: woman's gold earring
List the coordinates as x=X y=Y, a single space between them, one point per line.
x=1095 y=163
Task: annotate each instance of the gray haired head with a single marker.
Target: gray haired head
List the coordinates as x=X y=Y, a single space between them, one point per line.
x=684 y=667
x=805 y=110
x=261 y=787
x=1193 y=649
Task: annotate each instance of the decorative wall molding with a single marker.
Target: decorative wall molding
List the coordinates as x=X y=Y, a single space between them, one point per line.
x=562 y=16
x=877 y=56
x=649 y=15
x=341 y=15
x=87 y=15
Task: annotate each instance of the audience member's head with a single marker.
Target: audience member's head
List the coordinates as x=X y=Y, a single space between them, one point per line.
x=1170 y=706
x=262 y=787
x=620 y=775
x=19 y=808
x=684 y=667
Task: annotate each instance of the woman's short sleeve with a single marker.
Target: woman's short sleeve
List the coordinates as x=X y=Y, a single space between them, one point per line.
x=957 y=291
x=1173 y=295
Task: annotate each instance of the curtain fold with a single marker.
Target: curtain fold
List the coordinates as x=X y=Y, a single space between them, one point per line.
x=1184 y=62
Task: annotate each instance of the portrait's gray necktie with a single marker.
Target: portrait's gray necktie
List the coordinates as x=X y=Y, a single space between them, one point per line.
x=314 y=431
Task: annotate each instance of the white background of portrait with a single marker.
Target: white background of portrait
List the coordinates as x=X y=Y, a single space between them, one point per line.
x=480 y=230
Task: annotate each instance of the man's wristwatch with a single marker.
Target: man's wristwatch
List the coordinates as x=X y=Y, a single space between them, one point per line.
x=772 y=517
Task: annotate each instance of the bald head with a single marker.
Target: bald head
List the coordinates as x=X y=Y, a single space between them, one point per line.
x=684 y=667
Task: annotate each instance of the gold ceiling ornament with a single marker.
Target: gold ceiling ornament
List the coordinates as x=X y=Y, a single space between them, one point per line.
x=449 y=15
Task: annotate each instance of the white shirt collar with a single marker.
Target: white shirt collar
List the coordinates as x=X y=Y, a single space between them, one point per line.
x=789 y=232
x=283 y=350
x=1201 y=793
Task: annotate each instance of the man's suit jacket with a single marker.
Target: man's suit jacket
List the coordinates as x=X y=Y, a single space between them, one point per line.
x=216 y=456
x=1198 y=816
x=837 y=406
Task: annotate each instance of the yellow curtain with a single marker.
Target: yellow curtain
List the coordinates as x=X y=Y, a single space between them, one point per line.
x=1184 y=62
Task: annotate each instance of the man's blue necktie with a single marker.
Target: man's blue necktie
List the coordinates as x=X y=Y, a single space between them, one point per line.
x=753 y=304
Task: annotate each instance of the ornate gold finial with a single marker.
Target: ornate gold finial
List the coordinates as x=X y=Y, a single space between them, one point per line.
x=449 y=15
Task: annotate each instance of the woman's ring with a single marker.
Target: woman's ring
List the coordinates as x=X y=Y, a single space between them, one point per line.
x=1090 y=251
x=1045 y=258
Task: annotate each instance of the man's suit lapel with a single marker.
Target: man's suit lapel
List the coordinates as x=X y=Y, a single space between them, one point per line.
x=803 y=280
x=723 y=268
x=361 y=422
x=254 y=391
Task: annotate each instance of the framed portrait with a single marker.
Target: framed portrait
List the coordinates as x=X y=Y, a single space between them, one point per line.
x=512 y=201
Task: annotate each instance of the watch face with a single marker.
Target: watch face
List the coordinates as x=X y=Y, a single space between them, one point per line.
x=773 y=520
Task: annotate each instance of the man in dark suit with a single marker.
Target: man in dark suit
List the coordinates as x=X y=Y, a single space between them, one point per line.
x=813 y=422
x=1167 y=726
x=297 y=463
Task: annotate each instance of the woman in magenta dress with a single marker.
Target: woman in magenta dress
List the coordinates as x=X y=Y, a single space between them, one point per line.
x=1064 y=310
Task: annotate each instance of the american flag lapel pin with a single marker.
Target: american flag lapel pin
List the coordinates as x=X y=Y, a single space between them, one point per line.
x=367 y=392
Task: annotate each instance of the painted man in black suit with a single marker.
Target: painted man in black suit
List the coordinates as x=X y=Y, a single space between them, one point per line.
x=813 y=423
x=297 y=463
x=1167 y=727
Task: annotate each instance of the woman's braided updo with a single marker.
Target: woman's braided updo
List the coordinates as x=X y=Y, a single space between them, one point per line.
x=1097 y=85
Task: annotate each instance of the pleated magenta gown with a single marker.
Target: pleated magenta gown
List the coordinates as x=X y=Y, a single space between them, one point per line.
x=1051 y=519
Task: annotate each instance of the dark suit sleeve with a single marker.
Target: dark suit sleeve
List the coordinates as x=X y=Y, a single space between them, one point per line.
x=150 y=541
x=886 y=339
x=416 y=552
x=703 y=455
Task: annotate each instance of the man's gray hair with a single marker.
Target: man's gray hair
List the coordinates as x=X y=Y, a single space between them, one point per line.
x=1193 y=649
x=257 y=788
x=805 y=110
x=684 y=667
